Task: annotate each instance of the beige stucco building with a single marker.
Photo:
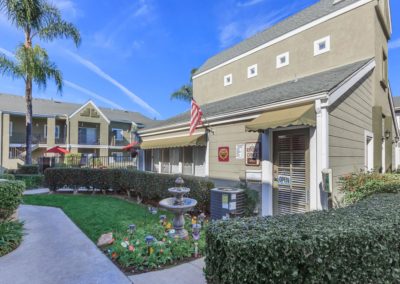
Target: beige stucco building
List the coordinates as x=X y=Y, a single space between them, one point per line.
x=85 y=129
x=307 y=95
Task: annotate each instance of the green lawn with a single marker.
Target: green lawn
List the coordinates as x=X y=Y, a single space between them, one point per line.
x=96 y=215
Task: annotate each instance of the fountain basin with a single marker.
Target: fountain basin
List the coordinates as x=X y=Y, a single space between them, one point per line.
x=170 y=204
x=179 y=190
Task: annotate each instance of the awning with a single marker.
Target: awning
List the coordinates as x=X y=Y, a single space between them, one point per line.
x=294 y=116
x=184 y=141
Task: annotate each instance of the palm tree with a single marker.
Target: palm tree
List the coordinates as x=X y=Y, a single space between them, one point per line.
x=36 y=18
x=185 y=93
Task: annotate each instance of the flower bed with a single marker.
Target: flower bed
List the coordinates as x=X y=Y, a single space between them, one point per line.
x=153 y=247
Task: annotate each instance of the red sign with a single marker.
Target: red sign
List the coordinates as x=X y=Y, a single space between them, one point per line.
x=223 y=154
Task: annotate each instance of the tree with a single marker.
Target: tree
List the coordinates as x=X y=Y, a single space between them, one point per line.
x=36 y=18
x=185 y=93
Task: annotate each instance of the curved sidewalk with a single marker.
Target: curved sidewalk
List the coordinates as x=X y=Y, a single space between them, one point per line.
x=55 y=250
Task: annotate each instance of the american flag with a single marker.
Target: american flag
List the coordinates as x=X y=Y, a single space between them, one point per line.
x=195 y=118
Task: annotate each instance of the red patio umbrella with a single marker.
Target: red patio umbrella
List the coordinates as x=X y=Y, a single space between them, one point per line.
x=130 y=146
x=58 y=150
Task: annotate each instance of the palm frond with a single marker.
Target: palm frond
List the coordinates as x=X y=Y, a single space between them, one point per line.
x=60 y=29
x=185 y=93
x=10 y=68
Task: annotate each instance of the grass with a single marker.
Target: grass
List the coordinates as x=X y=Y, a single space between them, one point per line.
x=96 y=215
x=10 y=236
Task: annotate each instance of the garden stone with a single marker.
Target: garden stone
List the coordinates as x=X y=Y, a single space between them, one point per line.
x=105 y=239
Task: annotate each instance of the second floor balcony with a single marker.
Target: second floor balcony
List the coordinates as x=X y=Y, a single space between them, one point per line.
x=20 y=138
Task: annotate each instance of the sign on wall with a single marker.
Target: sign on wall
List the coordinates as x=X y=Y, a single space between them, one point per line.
x=284 y=180
x=223 y=154
x=240 y=152
x=253 y=154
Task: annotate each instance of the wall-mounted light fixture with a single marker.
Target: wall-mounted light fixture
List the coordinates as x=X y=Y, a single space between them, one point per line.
x=387 y=134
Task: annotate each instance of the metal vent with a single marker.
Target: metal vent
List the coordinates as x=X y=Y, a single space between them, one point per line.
x=227 y=202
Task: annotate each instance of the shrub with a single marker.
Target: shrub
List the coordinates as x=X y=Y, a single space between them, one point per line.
x=150 y=186
x=7 y=176
x=31 y=181
x=10 y=236
x=28 y=170
x=356 y=244
x=357 y=186
x=10 y=197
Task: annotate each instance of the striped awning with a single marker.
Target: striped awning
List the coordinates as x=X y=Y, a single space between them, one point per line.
x=183 y=141
x=293 y=116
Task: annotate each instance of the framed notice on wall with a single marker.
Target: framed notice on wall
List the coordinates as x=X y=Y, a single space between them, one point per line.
x=223 y=154
x=253 y=154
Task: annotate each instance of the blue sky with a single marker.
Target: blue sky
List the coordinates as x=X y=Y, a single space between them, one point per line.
x=134 y=54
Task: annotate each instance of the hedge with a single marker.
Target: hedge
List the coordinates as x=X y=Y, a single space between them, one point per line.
x=356 y=244
x=149 y=186
x=28 y=170
x=31 y=181
x=7 y=176
x=358 y=186
x=10 y=197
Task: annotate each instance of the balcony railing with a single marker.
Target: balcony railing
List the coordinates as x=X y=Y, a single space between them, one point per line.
x=20 y=138
x=83 y=140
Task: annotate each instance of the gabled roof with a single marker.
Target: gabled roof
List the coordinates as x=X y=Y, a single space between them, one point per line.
x=41 y=107
x=323 y=82
x=320 y=9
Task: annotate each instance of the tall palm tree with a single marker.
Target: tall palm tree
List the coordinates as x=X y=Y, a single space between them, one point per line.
x=185 y=93
x=36 y=18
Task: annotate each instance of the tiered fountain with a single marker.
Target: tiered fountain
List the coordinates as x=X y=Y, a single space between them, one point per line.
x=179 y=205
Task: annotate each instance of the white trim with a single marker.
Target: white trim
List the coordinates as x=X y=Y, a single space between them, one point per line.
x=55 y=131
x=350 y=82
x=266 y=174
x=368 y=151
x=228 y=80
x=94 y=105
x=289 y=34
x=390 y=17
x=393 y=110
x=314 y=188
x=90 y=146
x=249 y=71
x=207 y=161
x=185 y=125
x=279 y=63
x=317 y=43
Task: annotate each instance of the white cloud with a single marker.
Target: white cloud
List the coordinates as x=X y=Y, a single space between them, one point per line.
x=95 y=69
x=7 y=52
x=249 y=3
x=92 y=94
x=228 y=34
x=67 y=7
x=394 y=44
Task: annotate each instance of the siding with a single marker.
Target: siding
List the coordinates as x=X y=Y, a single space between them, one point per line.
x=348 y=120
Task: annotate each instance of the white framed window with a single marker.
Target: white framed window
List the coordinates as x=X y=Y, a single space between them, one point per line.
x=252 y=71
x=369 y=150
x=282 y=60
x=10 y=126
x=228 y=80
x=118 y=134
x=322 y=45
x=57 y=132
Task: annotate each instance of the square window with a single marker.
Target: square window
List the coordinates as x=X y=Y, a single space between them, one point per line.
x=322 y=45
x=252 y=71
x=228 y=80
x=118 y=134
x=282 y=60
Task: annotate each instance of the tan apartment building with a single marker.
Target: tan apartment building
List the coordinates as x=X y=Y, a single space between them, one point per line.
x=306 y=96
x=85 y=129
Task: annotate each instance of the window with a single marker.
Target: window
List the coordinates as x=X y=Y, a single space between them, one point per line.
x=228 y=80
x=322 y=45
x=57 y=132
x=10 y=128
x=252 y=71
x=369 y=151
x=45 y=131
x=118 y=134
x=384 y=70
x=282 y=60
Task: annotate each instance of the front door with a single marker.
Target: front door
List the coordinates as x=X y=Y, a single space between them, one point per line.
x=291 y=171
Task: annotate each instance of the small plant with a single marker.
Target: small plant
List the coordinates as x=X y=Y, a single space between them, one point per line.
x=7 y=176
x=10 y=236
x=10 y=197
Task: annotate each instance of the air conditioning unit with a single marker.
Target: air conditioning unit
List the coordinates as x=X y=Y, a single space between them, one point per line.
x=227 y=203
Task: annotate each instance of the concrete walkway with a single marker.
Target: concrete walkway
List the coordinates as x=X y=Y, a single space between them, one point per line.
x=188 y=273
x=36 y=191
x=54 y=250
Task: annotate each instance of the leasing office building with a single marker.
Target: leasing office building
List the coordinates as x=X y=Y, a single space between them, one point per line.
x=307 y=94
x=85 y=129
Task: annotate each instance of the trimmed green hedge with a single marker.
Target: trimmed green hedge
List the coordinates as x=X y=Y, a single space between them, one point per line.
x=31 y=181
x=356 y=244
x=150 y=186
x=10 y=197
x=28 y=170
x=7 y=176
x=10 y=236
